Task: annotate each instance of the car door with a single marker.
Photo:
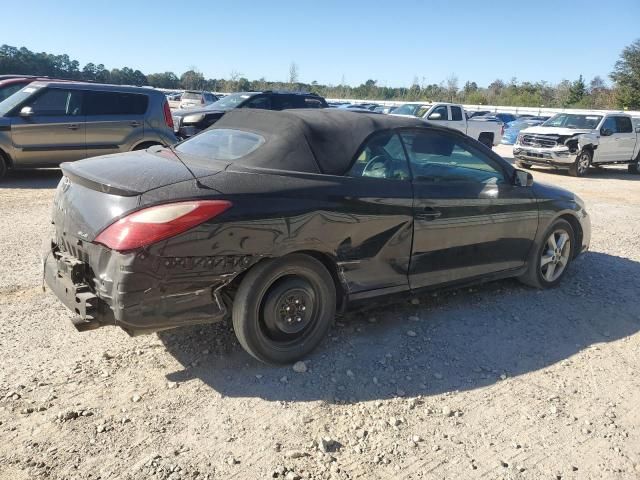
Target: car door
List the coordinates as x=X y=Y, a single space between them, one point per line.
x=625 y=139
x=470 y=218
x=115 y=121
x=376 y=194
x=607 y=148
x=53 y=133
x=457 y=120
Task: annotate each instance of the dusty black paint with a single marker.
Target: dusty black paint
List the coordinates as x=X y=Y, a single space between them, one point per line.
x=373 y=232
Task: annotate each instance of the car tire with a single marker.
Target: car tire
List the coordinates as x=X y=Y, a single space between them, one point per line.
x=635 y=166
x=4 y=166
x=581 y=166
x=546 y=265
x=262 y=321
x=520 y=164
x=144 y=146
x=486 y=140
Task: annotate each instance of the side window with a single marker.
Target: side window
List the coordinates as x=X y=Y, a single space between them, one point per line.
x=610 y=124
x=261 y=101
x=282 y=102
x=114 y=103
x=442 y=158
x=381 y=156
x=57 y=102
x=9 y=90
x=456 y=114
x=623 y=125
x=442 y=111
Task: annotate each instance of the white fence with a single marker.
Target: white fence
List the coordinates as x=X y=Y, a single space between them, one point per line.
x=493 y=108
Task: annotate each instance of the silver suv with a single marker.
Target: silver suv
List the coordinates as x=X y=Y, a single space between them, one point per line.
x=47 y=123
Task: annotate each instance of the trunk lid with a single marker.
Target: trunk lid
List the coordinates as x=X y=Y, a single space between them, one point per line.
x=95 y=192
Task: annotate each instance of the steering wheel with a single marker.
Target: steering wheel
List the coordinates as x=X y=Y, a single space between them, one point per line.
x=377 y=167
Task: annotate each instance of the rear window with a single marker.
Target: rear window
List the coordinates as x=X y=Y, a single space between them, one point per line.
x=191 y=96
x=221 y=144
x=114 y=103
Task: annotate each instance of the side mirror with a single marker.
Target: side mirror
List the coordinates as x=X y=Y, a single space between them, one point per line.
x=435 y=116
x=26 y=112
x=523 y=179
x=606 y=132
x=638 y=129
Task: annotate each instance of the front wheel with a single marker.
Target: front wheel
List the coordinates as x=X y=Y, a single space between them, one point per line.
x=635 y=166
x=283 y=308
x=581 y=166
x=548 y=263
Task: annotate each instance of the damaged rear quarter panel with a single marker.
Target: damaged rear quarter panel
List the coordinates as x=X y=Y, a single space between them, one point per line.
x=363 y=225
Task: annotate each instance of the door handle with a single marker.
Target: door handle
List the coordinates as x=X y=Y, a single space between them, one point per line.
x=429 y=213
x=73 y=126
x=135 y=124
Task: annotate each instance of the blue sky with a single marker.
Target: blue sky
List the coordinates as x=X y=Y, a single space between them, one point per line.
x=391 y=42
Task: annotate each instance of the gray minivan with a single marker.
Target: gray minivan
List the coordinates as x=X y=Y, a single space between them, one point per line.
x=47 y=123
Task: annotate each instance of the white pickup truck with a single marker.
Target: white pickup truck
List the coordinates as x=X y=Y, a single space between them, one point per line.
x=575 y=142
x=452 y=115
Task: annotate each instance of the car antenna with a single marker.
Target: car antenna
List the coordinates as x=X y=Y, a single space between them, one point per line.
x=198 y=182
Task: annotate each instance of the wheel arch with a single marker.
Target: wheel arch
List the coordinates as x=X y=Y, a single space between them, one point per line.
x=577 y=230
x=325 y=259
x=146 y=144
x=4 y=156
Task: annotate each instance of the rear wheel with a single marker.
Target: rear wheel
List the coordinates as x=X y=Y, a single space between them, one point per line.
x=284 y=308
x=486 y=139
x=4 y=166
x=548 y=263
x=581 y=166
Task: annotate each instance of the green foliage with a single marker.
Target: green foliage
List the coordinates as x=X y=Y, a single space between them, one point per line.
x=626 y=75
x=512 y=93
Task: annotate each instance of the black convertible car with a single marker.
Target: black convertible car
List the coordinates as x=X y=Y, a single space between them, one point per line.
x=281 y=219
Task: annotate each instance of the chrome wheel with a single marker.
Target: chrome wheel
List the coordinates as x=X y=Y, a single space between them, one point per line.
x=584 y=159
x=555 y=256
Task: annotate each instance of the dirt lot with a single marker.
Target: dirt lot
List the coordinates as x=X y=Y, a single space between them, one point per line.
x=499 y=381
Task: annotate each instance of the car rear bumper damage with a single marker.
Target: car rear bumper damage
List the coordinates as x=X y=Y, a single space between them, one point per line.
x=137 y=291
x=560 y=157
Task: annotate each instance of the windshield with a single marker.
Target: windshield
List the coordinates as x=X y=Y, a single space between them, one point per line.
x=221 y=144
x=231 y=101
x=10 y=102
x=575 y=121
x=191 y=96
x=408 y=109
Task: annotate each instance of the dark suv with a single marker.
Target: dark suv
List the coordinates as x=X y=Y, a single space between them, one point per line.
x=189 y=122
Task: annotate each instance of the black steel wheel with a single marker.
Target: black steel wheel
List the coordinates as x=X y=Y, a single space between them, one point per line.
x=284 y=308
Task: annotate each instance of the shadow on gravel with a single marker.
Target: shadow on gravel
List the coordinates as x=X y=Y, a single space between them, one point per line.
x=32 y=179
x=465 y=339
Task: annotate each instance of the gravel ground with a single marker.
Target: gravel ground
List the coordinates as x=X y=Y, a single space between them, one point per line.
x=498 y=381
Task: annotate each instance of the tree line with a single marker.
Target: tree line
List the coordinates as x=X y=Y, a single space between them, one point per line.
x=579 y=93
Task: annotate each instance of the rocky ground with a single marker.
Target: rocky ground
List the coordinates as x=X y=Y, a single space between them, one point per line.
x=497 y=381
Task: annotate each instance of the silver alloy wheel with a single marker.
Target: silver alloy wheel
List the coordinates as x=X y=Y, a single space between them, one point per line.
x=583 y=162
x=555 y=256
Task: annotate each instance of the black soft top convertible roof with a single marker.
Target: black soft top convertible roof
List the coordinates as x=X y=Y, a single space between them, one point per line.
x=308 y=140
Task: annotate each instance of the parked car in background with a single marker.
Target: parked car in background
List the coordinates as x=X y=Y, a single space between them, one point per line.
x=189 y=122
x=193 y=99
x=452 y=115
x=10 y=84
x=503 y=117
x=384 y=109
x=476 y=113
x=412 y=109
x=576 y=142
x=391 y=205
x=47 y=123
x=513 y=129
x=174 y=100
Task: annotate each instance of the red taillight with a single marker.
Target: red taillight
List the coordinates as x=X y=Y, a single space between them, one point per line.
x=150 y=225
x=168 y=119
